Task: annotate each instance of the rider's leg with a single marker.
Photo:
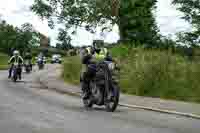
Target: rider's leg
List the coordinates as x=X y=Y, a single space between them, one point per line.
x=10 y=71
x=20 y=72
x=87 y=76
x=31 y=66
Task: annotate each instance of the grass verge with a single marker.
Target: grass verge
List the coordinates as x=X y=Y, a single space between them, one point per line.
x=3 y=61
x=151 y=73
x=71 y=70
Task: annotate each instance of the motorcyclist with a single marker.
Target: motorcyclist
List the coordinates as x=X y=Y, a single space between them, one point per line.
x=41 y=56
x=28 y=57
x=89 y=56
x=15 y=59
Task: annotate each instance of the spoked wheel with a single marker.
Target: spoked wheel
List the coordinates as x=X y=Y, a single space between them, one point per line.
x=14 y=78
x=112 y=92
x=88 y=103
x=112 y=98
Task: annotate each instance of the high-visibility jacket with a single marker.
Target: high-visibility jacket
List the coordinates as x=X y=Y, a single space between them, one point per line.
x=97 y=56
x=16 y=60
x=102 y=54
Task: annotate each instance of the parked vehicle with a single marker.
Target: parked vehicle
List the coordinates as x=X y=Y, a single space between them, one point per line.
x=104 y=89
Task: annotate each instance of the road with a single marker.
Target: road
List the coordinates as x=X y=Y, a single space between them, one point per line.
x=25 y=107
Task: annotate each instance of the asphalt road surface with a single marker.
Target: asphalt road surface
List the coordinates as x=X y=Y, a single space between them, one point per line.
x=25 y=107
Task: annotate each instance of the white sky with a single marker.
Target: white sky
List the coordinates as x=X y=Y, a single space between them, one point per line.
x=17 y=12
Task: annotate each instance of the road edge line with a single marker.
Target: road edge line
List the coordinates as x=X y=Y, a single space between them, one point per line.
x=160 y=110
x=78 y=94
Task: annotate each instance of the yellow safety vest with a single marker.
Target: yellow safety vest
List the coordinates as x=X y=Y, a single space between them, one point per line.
x=102 y=54
x=99 y=56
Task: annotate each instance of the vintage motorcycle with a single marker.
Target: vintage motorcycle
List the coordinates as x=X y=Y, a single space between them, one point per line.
x=27 y=66
x=15 y=72
x=104 y=88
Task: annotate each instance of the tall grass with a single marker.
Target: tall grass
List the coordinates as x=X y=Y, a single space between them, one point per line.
x=157 y=73
x=150 y=73
x=71 y=71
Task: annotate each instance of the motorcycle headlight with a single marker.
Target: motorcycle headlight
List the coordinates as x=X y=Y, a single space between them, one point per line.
x=15 y=64
x=111 y=66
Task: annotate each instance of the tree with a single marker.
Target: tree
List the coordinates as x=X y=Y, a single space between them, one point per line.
x=16 y=38
x=191 y=11
x=134 y=17
x=64 y=39
x=137 y=22
x=29 y=35
x=8 y=36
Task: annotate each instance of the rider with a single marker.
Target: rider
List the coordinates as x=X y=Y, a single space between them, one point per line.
x=89 y=56
x=16 y=58
x=41 y=56
x=28 y=57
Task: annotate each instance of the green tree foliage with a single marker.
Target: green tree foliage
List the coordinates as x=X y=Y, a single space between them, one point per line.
x=134 y=17
x=17 y=38
x=64 y=39
x=137 y=21
x=191 y=11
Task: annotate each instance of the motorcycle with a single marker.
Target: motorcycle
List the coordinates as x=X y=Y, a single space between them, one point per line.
x=15 y=72
x=28 y=66
x=104 y=89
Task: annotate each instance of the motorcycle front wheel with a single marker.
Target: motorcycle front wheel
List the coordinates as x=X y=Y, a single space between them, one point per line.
x=14 y=78
x=87 y=102
x=112 y=98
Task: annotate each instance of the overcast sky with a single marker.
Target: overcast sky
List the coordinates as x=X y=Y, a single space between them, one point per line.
x=17 y=12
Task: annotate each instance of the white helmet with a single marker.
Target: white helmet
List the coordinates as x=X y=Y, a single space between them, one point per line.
x=16 y=53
